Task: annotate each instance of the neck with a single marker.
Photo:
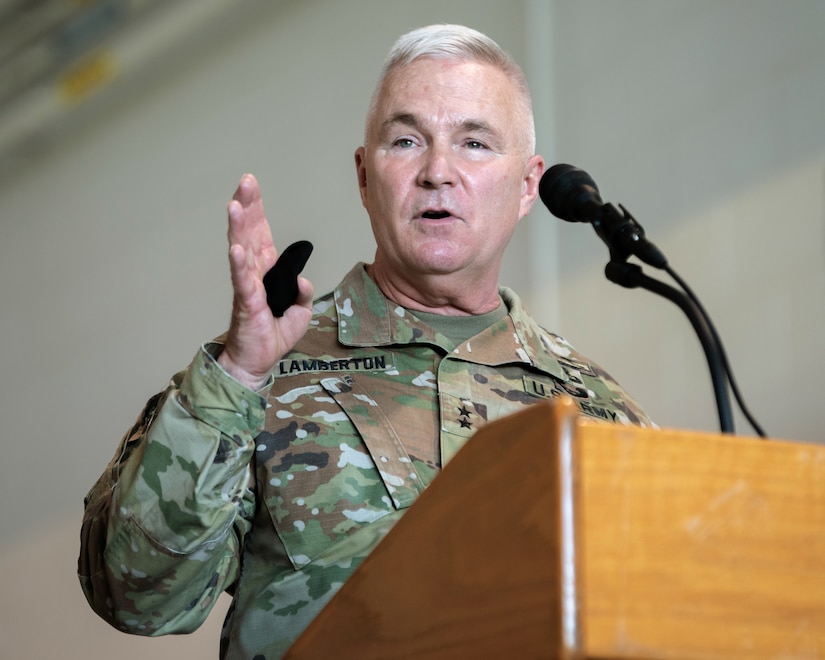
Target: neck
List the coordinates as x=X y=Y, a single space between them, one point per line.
x=447 y=295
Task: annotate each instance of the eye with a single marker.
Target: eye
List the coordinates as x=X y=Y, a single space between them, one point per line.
x=475 y=144
x=404 y=143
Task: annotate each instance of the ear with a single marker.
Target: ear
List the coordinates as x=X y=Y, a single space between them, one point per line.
x=530 y=184
x=361 y=172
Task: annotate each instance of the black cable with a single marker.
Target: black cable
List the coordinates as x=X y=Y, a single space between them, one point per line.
x=723 y=354
x=631 y=276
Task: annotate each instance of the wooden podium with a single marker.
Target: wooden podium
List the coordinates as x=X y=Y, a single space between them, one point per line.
x=549 y=536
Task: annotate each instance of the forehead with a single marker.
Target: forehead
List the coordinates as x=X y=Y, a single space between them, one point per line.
x=439 y=90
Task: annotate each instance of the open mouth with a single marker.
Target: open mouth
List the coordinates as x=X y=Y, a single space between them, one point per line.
x=435 y=215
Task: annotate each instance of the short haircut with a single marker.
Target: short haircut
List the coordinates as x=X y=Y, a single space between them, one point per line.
x=457 y=43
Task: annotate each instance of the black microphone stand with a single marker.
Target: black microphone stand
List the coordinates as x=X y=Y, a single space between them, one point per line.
x=572 y=195
x=625 y=237
x=631 y=276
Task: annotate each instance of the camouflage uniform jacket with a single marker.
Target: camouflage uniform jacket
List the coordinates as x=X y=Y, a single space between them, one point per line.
x=277 y=496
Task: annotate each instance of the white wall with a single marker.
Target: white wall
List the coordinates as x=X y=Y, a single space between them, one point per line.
x=703 y=117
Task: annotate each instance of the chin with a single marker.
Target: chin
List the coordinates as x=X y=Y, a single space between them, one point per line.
x=439 y=257
x=437 y=264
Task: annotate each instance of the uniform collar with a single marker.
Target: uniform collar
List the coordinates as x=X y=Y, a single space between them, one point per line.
x=367 y=318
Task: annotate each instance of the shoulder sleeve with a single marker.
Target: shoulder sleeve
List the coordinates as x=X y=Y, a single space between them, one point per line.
x=164 y=524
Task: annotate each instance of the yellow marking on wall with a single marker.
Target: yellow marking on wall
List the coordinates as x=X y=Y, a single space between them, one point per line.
x=87 y=76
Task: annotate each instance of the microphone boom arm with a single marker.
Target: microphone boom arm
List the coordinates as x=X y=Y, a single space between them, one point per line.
x=572 y=195
x=631 y=276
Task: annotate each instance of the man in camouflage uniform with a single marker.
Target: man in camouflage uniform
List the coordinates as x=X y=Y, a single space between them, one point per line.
x=286 y=451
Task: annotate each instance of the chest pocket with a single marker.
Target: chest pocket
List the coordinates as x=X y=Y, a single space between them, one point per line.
x=477 y=395
x=394 y=464
x=329 y=465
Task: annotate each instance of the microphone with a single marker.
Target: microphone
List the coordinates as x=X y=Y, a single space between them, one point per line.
x=571 y=194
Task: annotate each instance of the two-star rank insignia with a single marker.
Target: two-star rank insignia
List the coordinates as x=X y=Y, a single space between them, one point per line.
x=464 y=417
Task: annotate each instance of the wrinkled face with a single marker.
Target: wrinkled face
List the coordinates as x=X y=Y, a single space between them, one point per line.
x=445 y=175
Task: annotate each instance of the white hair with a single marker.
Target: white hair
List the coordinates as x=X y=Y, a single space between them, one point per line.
x=458 y=43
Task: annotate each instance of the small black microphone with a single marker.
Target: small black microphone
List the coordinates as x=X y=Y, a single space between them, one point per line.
x=570 y=194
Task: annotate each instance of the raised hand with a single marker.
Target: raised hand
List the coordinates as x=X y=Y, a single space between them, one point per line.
x=257 y=339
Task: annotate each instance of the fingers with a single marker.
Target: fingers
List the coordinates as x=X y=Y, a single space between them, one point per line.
x=248 y=194
x=305 y=293
x=248 y=226
x=242 y=272
x=239 y=209
x=251 y=250
x=248 y=189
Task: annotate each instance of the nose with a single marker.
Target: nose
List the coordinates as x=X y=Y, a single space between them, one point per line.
x=437 y=167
